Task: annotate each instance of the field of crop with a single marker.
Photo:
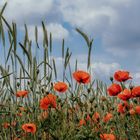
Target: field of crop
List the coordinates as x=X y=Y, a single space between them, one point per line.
x=37 y=104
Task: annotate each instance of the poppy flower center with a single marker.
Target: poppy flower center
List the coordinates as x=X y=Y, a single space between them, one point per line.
x=81 y=80
x=30 y=127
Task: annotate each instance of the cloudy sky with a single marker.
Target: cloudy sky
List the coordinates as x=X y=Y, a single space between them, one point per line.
x=114 y=25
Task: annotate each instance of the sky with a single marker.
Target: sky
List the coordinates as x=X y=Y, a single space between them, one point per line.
x=114 y=25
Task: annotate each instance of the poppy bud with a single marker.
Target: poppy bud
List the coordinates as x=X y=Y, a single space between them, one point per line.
x=59 y=100
x=135 y=101
x=37 y=71
x=46 y=92
x=88 y=90
x=31 y=88
x=131 y=87
x=18 y=84
x=28 y=82
x=111 y=79
x=42 y=90
x=95 y=106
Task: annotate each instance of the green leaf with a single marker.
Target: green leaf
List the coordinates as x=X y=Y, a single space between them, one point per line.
x=26 y=52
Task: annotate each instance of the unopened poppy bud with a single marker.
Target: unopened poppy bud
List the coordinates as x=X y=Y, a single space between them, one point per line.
x=42 y=90
x=18 y=84
x=135 y=101
x=95 y=106
x=28 y=82
x=37 y=71
x=51 y=83
x=46 y=92
x=59 y=100
x=125 y=125
x=111 y=79
x=61 y=104
x=131 y=87
x=31 y=88
x=69 y=85
x=88 y=90
x=92 y=99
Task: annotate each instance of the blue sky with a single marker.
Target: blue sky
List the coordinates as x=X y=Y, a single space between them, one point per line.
x=114 y=25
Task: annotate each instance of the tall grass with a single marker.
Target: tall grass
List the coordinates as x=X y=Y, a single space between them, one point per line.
x=21 y=69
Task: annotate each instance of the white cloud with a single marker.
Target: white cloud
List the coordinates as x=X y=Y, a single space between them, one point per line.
x=136 y=78
x=23 y=11
x=97 y=15
x=57 y=30
x=106 y=19
x=105 y=69
x=116 y=22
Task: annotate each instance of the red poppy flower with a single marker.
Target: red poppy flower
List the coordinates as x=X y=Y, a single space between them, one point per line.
x=49 y=100
x=19 y=114
x=60 y=86
x=125 y=95
x=136 y=91
x=114 y=89
x=107 y=117
x=22 y=93
x=132 y=111
x=82 y=122
x=122 y=76
x=122 y=107
x=82 y=77
x=96 y=117
x=107 y=137
x=6 y=125
x=137 y=108
x=88 y=118
x=29 y=127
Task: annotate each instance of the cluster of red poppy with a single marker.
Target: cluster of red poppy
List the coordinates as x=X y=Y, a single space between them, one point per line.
x=124 y=93
x=121 y=92
x=95 y=118
x=50 y=99
x=82 y=77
